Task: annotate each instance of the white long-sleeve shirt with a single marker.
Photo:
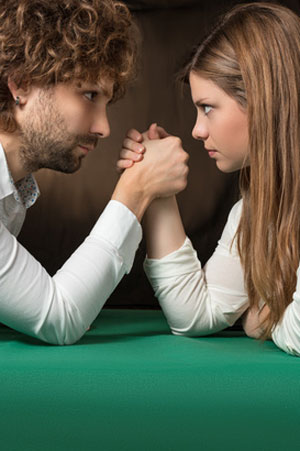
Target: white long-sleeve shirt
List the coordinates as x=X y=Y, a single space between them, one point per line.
x=59 y=309
x=200 y=301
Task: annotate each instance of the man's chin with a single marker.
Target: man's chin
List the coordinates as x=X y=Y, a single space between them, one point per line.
x=67 y=168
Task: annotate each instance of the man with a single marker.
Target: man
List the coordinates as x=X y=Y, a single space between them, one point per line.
x=61 y=63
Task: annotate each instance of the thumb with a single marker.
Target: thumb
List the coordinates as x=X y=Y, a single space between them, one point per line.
x=162 y=132
x=153 y=132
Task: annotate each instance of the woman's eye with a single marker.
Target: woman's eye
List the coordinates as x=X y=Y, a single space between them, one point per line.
x=90 y=95
x=206 y=109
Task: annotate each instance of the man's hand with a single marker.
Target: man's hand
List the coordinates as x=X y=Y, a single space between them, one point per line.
x=161 y=173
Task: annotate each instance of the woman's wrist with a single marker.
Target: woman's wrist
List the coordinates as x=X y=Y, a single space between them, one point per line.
x=159 y=206
x=163 y=227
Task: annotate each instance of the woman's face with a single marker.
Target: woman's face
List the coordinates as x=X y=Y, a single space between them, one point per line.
x=221 y=124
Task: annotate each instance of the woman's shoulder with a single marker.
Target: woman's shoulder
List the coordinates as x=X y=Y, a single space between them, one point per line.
x=228 y=238
x=235 y=214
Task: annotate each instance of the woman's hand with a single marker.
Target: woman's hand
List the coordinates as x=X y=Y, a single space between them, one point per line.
x=161 y=173
x=133 y=149
x=253 y=321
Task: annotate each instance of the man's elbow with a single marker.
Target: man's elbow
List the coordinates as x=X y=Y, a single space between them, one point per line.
x=57 y=335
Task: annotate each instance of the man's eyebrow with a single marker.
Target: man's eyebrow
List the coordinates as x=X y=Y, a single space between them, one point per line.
x=106 y=92
x=101 y=89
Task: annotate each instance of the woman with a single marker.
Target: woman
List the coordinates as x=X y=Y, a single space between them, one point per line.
x=245 y=84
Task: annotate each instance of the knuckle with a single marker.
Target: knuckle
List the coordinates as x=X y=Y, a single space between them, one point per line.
x=131 y=132
x=181 y=186
x=118 y=167
x=184 y=159
x=168 y=139
x=177 y=141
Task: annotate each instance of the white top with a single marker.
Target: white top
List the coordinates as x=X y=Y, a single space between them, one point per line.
x=200 y=302
x=60 y=309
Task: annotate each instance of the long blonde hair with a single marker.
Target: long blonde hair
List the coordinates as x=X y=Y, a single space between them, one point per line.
x=253 y=54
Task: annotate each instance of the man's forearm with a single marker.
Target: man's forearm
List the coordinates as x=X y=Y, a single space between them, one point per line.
x=60 y=309
x=162 y=222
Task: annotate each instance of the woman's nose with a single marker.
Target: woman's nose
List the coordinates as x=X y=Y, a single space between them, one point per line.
x=200 y=131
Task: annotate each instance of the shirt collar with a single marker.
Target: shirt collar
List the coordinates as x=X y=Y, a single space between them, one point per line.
x=25 y=191
x=6 y=186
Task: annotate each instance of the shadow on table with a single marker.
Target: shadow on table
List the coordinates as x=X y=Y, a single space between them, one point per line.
x=117 y=326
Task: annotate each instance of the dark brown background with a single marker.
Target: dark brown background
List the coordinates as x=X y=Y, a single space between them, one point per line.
x=70 y=204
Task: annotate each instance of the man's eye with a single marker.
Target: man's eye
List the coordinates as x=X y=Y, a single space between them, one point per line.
x=91 y=95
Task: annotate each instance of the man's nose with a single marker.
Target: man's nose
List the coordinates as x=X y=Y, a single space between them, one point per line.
x=101 y=126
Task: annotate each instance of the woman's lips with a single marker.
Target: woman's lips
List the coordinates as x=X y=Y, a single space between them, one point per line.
x=211 y=152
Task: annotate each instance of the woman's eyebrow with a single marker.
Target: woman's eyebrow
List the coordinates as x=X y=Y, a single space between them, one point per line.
x=201 y=102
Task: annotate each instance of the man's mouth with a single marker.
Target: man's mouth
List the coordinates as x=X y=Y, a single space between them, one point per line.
x=86 y=148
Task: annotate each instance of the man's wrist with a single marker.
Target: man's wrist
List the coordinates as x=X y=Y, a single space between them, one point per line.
x=129 y=192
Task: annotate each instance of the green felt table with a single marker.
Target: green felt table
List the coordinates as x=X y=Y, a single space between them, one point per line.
x=129 y=384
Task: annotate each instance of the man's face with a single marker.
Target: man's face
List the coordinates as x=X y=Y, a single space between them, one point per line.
x=61 y=124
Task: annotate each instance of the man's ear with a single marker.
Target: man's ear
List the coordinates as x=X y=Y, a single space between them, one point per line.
x=21 y=92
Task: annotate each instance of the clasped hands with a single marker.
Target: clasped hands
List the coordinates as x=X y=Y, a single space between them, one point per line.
x=134 y=145
x=162 y=161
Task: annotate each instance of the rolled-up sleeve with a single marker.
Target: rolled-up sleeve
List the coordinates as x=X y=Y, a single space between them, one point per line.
x=200 y=301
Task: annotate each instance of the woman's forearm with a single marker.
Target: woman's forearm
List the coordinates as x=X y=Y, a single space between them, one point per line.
x=163 y=227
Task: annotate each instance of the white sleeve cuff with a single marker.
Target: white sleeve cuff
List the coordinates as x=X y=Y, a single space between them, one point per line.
x=120 y=227
x=182 y=261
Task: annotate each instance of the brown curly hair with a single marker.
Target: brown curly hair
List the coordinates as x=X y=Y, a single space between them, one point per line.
x=45 y=42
